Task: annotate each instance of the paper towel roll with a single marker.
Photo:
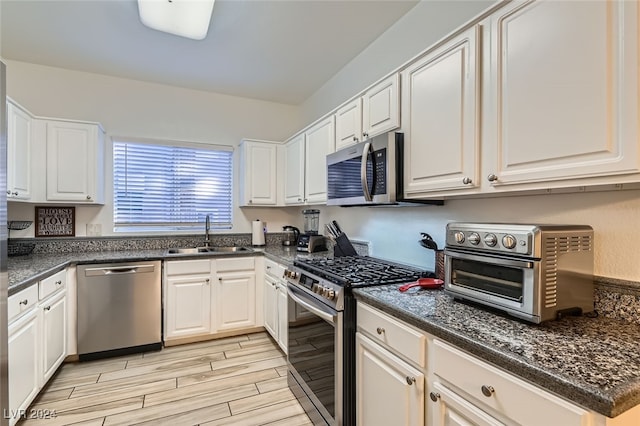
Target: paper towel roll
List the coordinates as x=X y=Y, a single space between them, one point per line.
x=257 y=232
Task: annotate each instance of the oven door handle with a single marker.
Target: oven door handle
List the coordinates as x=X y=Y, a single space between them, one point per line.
x=494 y=260
x=327 y=316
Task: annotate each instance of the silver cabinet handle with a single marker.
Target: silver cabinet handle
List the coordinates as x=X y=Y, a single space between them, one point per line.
x=487 y=391
x=15 y=193
x=434 y=396
x=467 y=181
x=58 y=282
x=365 y=135
x=47 y=308
x=24 y=302
x=492 y=178
x=410 y=380
x=380 y=330
x=8 y=192
x=88 y=197
x=355 y=139
x=207 y=281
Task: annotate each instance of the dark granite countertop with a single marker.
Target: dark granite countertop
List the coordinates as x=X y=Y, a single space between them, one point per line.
x=594 y=362
x=27 y=270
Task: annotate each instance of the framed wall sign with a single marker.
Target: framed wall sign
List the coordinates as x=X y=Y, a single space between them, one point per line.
x=55 y=221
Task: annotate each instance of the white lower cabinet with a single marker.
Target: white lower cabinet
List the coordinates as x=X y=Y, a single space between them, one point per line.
x=37 y=340
x=208 y=296
x=389 y=390
x=390 y=371
x=276 y=303
x=451 y=409
x=24 y=365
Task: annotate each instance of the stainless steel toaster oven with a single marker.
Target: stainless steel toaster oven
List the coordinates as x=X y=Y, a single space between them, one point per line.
x=533 y=272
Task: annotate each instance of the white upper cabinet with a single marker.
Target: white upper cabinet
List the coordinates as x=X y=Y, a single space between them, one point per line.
x=349 y=124
x=320 y=141
x=19 y=140
x=381 y=107
x=375 y=112
x=258 y=173
x=440 y=117
x=306 y=163
x=75 y=169
x=563 y=91
x=294 y=170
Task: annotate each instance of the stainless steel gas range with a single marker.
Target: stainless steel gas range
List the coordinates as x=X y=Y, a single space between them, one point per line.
x=321 y=356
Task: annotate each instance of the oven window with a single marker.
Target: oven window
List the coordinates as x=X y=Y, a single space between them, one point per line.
x=312 y=355
x=498 y=280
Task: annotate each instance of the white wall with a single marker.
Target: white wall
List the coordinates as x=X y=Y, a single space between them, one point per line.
x=425 y=24
x=129 y=108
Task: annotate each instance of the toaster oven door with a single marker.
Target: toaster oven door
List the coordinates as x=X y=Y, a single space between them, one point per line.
x=493 y=280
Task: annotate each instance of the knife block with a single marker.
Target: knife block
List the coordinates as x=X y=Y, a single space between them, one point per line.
x=343 y=247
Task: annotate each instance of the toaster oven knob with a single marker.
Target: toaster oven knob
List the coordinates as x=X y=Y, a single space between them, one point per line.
x=490 y=240
x=474 y=238
x=459 y=236
x=509 y=241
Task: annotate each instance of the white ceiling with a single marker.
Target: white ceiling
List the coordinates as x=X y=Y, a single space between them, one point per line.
x=275 y=50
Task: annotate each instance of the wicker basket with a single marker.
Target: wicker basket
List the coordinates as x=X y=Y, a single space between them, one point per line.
x=19 y=249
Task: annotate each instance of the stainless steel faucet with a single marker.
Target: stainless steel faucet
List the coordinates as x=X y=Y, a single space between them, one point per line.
x=207 y=227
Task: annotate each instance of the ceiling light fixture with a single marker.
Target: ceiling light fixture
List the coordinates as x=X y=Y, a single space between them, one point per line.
x=186 y=18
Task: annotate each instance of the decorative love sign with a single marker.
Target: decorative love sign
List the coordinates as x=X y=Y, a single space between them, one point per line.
x=55 y=221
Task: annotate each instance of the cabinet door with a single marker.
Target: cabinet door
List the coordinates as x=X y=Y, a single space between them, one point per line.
x=235 y=300
x=19 y=133
x=320 y=141
x=258 y=168
x=564 y=99
x=294 y=171
x=270 y=307
x=24 y=357
x=449 y=409
x=381 y=107
x=74 y=162
x=283 y=317
x=54 y=327
x=188 y=306
x=388 y=390
x=440 y=118
x=349 y=124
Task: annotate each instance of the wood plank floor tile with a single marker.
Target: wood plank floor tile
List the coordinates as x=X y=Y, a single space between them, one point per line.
x=272 y=384
x=261 y=400
x=66 y=382
x=168 y=354
x=146 y=414
x=88 y=413
x=53 y=395
x=299 y=420
x=208 y=387
x=93 y=422
x=261 y=416
x=194 y=417
x=231 y=371
x=282 y=370
x=246 y=359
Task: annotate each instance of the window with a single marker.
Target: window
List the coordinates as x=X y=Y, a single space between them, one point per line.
x=164 y=187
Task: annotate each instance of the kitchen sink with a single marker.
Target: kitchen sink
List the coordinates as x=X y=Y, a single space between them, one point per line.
x=204 y=250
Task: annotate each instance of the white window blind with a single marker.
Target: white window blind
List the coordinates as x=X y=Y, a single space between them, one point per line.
x=164 y=187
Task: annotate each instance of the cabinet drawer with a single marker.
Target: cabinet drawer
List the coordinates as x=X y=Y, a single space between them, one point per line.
x=235 y=264
x=404 y=340
x=186 y=267
x=53 y=283
x=22 y=302
x=507 y=395
x=274 y=269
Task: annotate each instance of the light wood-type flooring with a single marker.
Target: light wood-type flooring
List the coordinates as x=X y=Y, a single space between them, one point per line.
x=239 y=380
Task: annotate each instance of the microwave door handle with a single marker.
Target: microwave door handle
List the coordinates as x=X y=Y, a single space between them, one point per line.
x=363 y=171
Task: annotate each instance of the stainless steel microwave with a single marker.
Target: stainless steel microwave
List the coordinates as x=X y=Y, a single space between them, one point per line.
x=369 y=173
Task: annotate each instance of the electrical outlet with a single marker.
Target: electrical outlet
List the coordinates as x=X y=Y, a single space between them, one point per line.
x=94 y=229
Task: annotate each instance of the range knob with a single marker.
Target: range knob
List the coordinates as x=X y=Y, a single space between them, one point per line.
x=509 y=241
x=490 y=240
x=459 y=236
x=474 y=238
x=316 y=288
x=331 y=294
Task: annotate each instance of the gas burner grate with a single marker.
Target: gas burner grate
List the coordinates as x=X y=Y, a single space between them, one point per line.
x=360 y=271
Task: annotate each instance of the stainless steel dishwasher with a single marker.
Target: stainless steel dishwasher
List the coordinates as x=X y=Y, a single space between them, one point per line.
x=119 y=309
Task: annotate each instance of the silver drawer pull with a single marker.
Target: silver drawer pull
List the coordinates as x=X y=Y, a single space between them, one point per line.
x=58 y=282
x=488 y=391
x=434 y=396
x=411 y=380
x=380 y=330
x=24 y=302
x=47 y=308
